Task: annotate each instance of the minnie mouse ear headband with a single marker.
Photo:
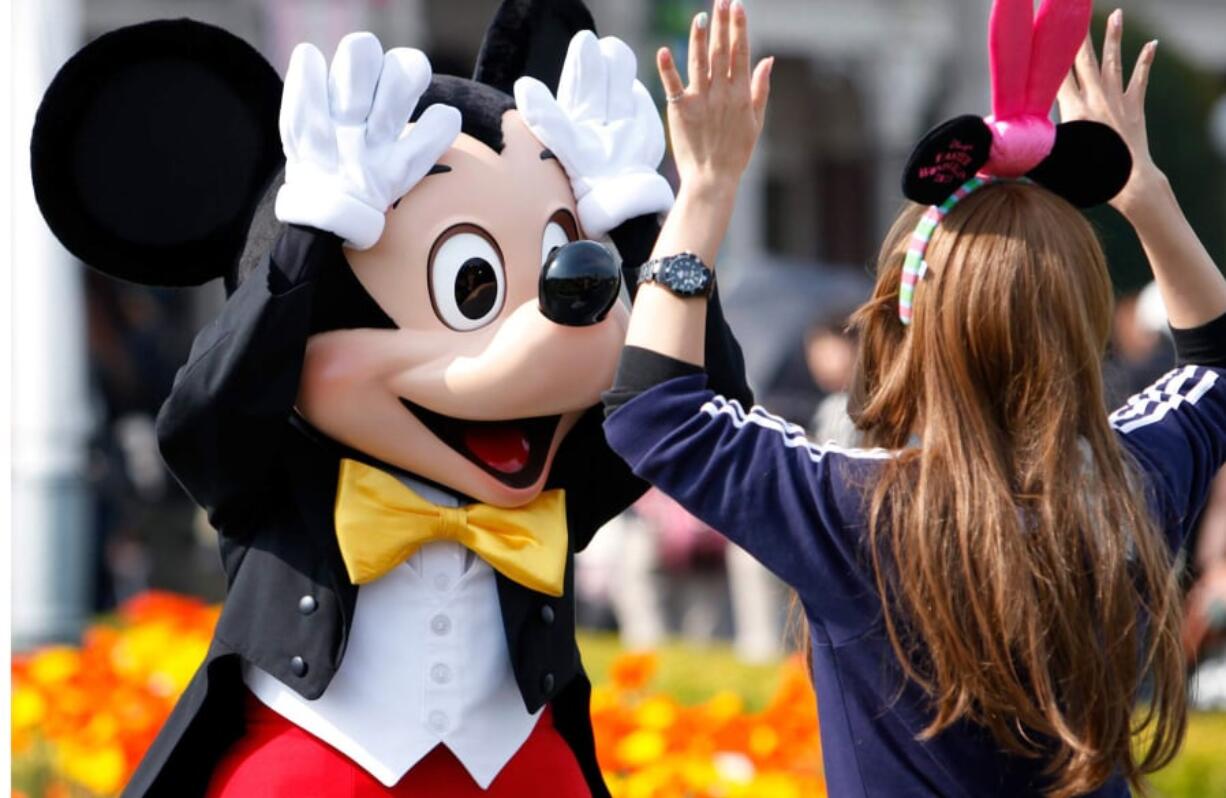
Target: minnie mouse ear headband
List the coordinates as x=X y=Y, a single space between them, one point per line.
x=1086 y=163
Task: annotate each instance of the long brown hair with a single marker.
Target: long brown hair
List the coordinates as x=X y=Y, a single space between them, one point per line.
x=1024 y=583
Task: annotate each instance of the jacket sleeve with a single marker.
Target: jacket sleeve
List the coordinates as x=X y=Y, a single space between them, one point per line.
x=225 y=419
x=756 y=479
x=598 y=483
x=1176 y=432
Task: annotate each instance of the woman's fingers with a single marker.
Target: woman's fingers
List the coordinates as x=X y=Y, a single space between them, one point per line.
x=669 y=77
x=699 y=70
x=1139 y=83
x=720 y=40
x=760 y=88
x=1089 y=76
x=739 y=43
x=1113 y=73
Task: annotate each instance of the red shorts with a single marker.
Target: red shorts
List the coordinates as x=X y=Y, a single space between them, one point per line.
x=276 y=759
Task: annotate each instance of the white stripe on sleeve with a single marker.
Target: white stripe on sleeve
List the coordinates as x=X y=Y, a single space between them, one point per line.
x=1186 y=385
x=793 y=436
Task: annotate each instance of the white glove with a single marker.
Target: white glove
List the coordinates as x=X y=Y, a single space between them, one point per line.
x=348 y=153
x=605 y=131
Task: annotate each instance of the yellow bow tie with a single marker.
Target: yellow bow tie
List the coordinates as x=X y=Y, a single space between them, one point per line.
x=380 y=523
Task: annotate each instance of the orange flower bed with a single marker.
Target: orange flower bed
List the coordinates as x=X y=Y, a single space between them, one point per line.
x=652 y=747
x=83 y=717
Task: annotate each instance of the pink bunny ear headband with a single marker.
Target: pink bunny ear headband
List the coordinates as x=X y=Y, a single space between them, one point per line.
x=1085 y=162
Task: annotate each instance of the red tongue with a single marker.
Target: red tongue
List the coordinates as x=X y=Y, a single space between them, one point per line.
x=503 y=449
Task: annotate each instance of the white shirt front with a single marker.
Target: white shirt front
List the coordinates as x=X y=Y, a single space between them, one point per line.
x=427 y=664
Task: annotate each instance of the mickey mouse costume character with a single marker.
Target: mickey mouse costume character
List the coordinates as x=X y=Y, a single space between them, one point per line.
x=393 y=423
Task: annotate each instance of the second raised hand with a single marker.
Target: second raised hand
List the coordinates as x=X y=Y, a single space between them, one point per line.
x=1192 y=288
x=1097 y=93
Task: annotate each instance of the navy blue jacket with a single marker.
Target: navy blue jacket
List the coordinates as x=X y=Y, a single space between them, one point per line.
x=799 y=508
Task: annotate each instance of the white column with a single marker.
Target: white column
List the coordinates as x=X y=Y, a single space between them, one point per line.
x=52 y=534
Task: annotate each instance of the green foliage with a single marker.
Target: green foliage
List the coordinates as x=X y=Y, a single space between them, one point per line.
x=689 y=673
x=1200 y=769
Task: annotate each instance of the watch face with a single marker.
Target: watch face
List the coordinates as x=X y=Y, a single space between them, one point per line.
x=685 y=276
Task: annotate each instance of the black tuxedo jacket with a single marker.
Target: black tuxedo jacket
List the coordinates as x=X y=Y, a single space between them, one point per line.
x=268 y=481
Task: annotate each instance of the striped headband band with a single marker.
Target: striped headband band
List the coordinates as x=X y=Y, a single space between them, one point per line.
x=915 y=265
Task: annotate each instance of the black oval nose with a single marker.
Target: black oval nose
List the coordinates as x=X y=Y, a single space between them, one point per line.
x=579 y=283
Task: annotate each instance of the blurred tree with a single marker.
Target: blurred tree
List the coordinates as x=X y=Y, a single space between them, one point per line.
x=1178 y=105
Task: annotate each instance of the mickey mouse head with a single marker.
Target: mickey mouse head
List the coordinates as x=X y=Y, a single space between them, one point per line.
x=468 y=325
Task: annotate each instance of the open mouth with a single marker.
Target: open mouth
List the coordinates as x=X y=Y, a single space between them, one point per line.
x=513 y=452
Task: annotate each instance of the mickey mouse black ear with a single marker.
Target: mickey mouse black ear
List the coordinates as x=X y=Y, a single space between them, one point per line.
x=152 y=147
x=1088 y=166
x=530 y=38
x=947 y=157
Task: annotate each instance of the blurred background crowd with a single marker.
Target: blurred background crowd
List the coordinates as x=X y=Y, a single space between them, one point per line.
x=855 y=85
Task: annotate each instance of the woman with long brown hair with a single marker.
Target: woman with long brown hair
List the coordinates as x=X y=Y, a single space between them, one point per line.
x=991 y=591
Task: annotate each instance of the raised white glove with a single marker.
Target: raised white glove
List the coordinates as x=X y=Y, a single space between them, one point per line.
x=348 y=153
x=605 y=131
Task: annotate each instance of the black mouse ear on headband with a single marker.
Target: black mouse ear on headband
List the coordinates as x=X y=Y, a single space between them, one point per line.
x=152 y=148
x=1088 y=166
x=947 y=157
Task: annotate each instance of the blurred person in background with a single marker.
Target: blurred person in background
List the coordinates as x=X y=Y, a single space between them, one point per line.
x=795 y=387
x=1204 y=631
x=134 y=348
x=830 y=353
x=669 y=575
x=1141 y=349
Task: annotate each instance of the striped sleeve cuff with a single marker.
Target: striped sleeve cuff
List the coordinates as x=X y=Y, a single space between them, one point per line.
x=1185 y=385
x=641 y=370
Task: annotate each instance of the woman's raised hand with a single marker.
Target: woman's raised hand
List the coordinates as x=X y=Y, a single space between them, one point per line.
x=1192 y=287
x=714 y=122
x=1097 y=93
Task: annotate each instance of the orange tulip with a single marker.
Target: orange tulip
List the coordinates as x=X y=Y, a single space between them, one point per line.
x=633 y=671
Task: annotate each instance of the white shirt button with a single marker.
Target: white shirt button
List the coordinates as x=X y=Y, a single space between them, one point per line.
x=442 y=581
x=437 y=721
x=440 y=625
x=440 y=673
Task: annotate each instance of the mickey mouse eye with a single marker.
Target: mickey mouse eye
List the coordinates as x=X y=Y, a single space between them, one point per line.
x=560 y=231
x=467 y=280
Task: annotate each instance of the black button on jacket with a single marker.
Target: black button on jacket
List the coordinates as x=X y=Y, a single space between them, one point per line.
x=268 y=481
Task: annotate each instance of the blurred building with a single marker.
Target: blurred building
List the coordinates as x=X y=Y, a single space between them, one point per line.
x=856 y=83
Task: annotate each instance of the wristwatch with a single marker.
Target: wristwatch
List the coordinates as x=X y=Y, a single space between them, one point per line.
x=684 y=274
